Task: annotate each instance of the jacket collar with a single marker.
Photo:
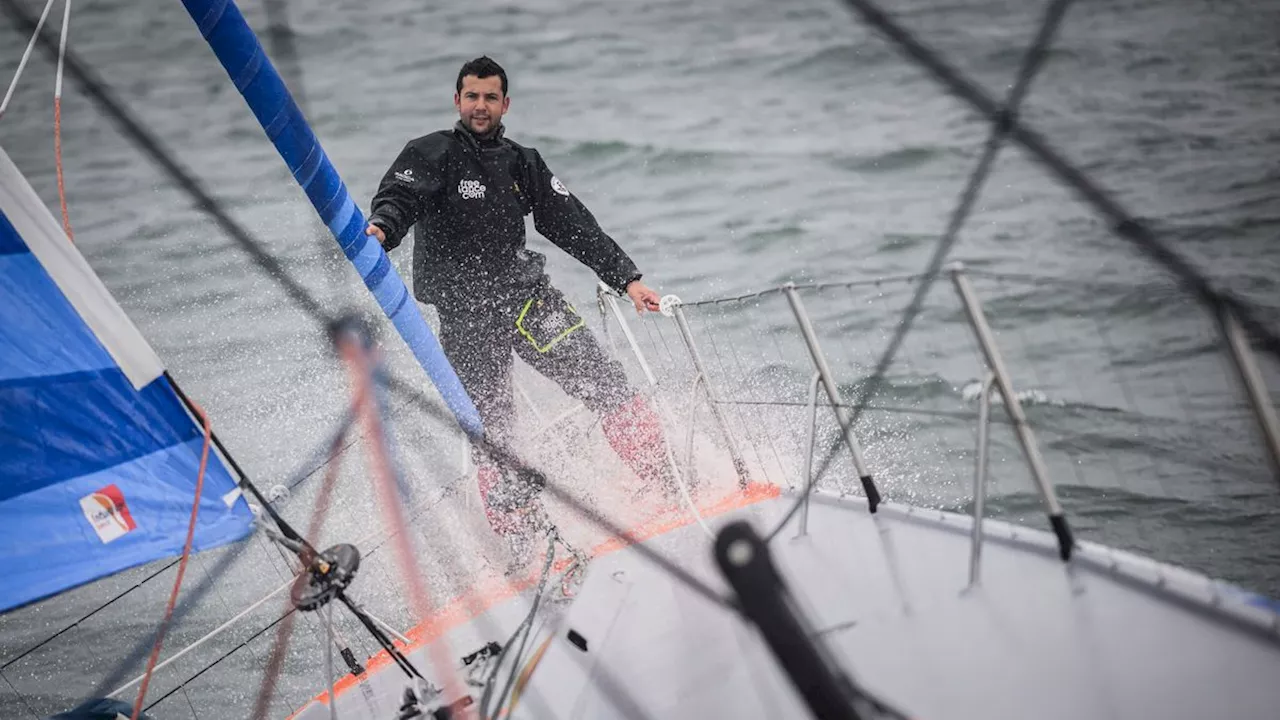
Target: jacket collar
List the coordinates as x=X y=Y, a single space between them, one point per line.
x=493 y=139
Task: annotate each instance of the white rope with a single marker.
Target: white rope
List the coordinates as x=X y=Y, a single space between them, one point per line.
x=382 y=624
x=328 y=661
x=671 y=459
x=62 y=49
x=204 y=639
x=25 y=57
x=528 y=401
x=556 y=420
x=57 y=122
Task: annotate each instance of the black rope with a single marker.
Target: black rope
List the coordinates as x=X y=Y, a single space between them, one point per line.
x=191 y=705
x=1004 y=120
x=1122 y=222
x=957 y=414
x=382 y=638
x=1040 y=280
x=190 y=599
x=366 y=555
x=245 y=483
x=199 y=558
x=90 y=614
x=522 y=631
x=21 y=698
x=228 y=654
x=872 y=282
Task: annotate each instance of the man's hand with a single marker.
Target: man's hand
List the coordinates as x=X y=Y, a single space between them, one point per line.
x=642 y=297
x=376 y=232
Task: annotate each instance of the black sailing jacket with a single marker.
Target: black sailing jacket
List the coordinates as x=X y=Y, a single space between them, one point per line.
x=467 y=198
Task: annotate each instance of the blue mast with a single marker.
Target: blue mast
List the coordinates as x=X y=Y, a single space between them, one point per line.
x=238 y=49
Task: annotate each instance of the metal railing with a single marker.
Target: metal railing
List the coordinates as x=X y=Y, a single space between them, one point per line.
x=980 y=477
x=732 y=328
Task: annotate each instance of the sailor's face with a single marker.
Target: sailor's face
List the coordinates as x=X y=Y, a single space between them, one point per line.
x=481 y=103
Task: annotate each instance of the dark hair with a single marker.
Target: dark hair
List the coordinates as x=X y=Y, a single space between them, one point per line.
x=483 y=67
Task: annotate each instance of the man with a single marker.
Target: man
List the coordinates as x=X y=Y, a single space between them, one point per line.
x=466 y=192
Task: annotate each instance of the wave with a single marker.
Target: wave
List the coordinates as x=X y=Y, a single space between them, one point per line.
x=902 y=242
x=1105 y=503
x=610 y=150
x=1012 y=56
x=835 y=58
x=971 y=391
x=904 y=158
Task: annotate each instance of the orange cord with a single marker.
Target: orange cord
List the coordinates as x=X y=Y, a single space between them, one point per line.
x=359 y=366
x=275 y=662
x=182 y=566
x=57 y=155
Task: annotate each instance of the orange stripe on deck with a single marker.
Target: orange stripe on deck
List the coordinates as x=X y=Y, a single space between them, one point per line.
x=470 y=606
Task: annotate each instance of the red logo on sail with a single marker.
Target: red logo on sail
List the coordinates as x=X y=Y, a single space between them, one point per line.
x=107 y=512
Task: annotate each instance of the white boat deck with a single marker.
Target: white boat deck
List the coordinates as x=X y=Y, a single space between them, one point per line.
x=1107 y=635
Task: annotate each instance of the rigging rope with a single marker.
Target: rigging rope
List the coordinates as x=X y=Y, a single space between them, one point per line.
x=328 y=661
x=521 y=631
x=224 y=656
x=362 y=369
x=212 y=633
x=57 y=99
x=363 y=540
x=26 y=55
x=21 y=698
x=182 y=565
x=57 y=121
x=1123 y=223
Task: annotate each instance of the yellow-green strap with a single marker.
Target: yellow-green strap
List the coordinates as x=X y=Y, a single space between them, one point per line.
x=544 y=348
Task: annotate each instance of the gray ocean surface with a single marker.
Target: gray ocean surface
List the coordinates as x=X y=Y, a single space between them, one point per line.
x=729 y=146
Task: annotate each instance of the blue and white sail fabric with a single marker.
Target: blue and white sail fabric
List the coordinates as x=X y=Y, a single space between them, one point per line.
x=98 y=454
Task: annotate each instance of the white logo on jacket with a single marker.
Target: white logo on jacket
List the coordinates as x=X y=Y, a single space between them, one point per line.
x=471 y=189
x=405 y=175
x=559 y=186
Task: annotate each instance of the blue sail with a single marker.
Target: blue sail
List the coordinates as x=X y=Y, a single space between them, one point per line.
x=98 y=455
x=237 y=48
